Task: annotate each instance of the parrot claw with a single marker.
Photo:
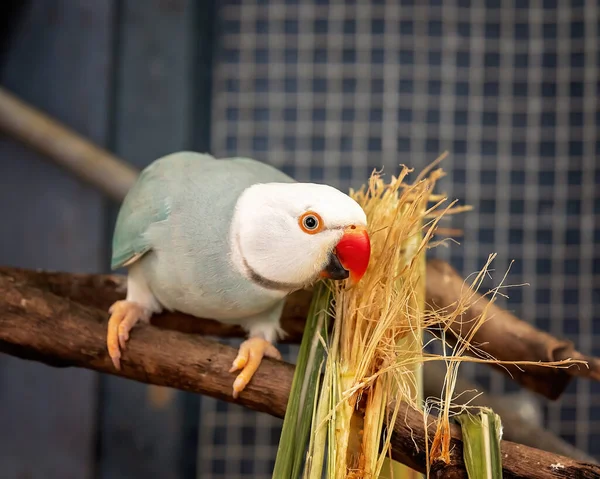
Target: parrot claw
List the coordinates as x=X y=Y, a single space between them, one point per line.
x=248 y=360
x=116 y=361
x=123 y=317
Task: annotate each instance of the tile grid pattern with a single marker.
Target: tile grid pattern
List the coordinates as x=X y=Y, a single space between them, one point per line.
x=328 y=91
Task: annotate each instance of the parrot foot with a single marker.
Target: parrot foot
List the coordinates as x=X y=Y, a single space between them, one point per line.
x=249 y=358
x=123 y=317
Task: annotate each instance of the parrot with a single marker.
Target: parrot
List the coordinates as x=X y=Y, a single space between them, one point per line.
x=229 y=239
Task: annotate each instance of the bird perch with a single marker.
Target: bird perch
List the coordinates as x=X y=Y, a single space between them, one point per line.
x=39 y=325
x=503 y=336
x=100 y=291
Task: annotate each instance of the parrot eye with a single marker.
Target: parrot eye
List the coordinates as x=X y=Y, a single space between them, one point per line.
x=311 y=223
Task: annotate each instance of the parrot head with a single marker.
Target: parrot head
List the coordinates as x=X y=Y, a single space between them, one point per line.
x=285 y=236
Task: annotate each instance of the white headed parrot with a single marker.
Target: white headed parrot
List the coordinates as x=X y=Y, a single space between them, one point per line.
x=229 y=239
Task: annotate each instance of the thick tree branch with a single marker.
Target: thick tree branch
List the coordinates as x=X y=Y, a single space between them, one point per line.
x=515 y=427
x=504 y=336
x=39 y=325
x=101 y=291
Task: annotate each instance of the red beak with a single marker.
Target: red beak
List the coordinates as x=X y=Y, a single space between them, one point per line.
x=354 y=252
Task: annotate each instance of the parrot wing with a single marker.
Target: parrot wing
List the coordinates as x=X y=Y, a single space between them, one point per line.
x=142 y=207
x=162 y=184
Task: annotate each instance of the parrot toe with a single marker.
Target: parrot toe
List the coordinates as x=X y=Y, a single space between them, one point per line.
x=239 y=362
x=248 y=360
x=123 y=317
x=272 y=352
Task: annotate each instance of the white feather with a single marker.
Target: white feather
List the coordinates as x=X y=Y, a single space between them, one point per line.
x=266 y=235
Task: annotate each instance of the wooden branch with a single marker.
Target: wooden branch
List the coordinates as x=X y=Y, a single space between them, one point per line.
x=102 y=290
x=506 y=337
x=39 y=325
x=518 y=461
x=503 y=336
x=70 y=150
x=514 y=426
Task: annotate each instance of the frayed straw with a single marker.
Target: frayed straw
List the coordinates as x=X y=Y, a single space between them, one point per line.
x=376 y=346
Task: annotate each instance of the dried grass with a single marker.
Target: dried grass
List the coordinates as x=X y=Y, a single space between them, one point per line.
x=375 y=352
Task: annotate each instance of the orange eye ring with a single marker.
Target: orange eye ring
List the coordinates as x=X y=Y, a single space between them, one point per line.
x=311 y=223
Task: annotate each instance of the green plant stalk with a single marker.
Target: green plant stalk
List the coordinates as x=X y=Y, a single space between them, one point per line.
x=329 y=401
x=334 y=398
x=315 y=438
x=318 y=443
x=291 y=452
x=482 y=434
x=323 y=425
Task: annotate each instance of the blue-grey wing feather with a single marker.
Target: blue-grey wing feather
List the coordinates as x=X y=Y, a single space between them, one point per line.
x=142 y=207
x=178 y=181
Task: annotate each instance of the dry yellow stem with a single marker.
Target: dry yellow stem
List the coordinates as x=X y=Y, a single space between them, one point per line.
x=381 y=319
x=376 y=352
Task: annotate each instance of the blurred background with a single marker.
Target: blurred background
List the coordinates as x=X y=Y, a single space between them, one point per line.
x=326 y=91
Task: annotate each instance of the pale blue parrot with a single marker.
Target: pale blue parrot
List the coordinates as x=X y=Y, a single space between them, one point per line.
x=229 y=239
